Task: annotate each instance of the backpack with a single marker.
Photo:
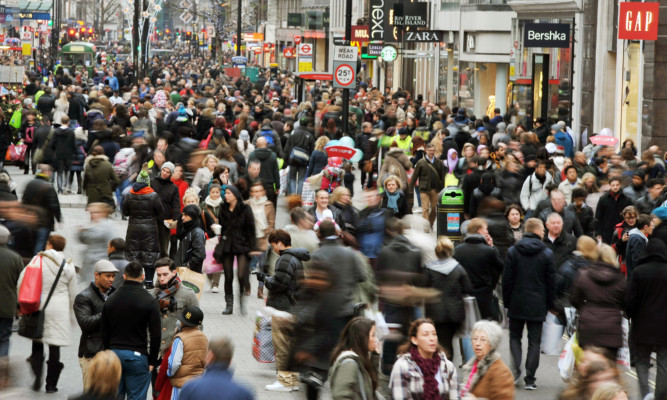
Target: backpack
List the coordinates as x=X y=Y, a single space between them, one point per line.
x=122 y=162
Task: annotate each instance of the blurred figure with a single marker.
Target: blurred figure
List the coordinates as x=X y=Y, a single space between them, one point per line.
x=370 y=230
x=96 y=237
x=610 y=391
x=619 y=241
x=265 y=222
x=582 y=211
x=191 y=250
x=586 y=253
x=356 y=344
x=116 y=254
x=11 y=266
x=492 y=210
x=593 y=371
x=40 y=193
x=101 y=383
x=488 y=376
x=637 y=241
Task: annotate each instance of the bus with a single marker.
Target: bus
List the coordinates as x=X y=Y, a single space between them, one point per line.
x=78 y=55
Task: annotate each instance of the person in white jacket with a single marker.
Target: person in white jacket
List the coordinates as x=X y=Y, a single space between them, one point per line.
x=534 y=188
x=58 y=315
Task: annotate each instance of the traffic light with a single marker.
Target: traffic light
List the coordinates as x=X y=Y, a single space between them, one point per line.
x=90 y=31
x=167 y=31
x=71 y=33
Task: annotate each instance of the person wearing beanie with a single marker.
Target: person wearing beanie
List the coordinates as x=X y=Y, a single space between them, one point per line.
x=171 y=205
x=143 y=207
x=9 y=275
x=192 y=240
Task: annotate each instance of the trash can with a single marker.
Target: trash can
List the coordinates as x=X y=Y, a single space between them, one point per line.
x=450 y=213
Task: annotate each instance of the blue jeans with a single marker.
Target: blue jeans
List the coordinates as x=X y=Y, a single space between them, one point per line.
x=119 y=192
x=41 y=236
x=136 y=378
x=296 y=174
x=5 y=334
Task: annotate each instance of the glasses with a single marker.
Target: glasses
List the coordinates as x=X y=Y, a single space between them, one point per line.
x=479 y=339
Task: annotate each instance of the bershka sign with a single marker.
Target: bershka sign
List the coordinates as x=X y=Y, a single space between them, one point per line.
x=360 y=33
x=638 y=21
x=546 y=35
x=424 y=36
x=377 y=20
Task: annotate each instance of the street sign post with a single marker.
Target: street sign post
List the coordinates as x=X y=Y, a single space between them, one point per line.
x=345 y=67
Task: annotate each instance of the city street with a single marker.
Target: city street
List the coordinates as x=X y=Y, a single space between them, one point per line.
x=239 y=328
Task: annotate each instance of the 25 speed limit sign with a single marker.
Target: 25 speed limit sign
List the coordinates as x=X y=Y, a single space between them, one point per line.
x=344 y=75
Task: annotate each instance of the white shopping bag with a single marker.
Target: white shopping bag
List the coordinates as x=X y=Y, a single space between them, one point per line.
x=566 y=361
x=552 y=332
x=307 y=195
x=623 y=355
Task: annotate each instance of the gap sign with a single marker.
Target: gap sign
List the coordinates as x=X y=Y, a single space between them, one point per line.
x=638 y=21
x=546 y=35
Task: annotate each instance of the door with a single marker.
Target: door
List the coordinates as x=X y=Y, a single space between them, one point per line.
x=540 y=89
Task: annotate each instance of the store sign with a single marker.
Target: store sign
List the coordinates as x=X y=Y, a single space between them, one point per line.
x=294 y=19
x=360 y=33
x=32 y=15
x=377 y=20
x=601 y=140
x=424 y=36
x=253 y=37
x=374 y=49
x=289 y=52
x=411 y=14
x=638 y=21
x=546 y=35
x=388 y=53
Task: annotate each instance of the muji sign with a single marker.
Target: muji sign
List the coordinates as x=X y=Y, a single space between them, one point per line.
x=638 y=21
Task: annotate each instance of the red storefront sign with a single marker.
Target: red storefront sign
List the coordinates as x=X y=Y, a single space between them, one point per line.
x=638 y=21
x=289 y=52
x=360 y=33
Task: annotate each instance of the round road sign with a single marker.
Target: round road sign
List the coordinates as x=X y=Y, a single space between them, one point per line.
x=297 y=39
x=344 y=75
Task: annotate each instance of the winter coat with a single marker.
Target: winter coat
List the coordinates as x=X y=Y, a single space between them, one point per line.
x=349 y=215
x=532 y=191
x=396 y=162
x=510 y=183
x=63 y=144
x=192 y=249
x=40 y=193
x=217 y=379
x=284 y=285
x=493 y=379
x=406 y=381
x=88 y=311
x=318 y=160
x=100 y=180
x=635 y=250
x=335 y=211
x=561 y=248
x=184 y=297
x=451 y=279
x=12 y=266
x=430 y=176
x=169 y=196
x=529 y=279
x=344 y=378
x=585 y=217
x=598 y=294
x=96 y=237
x=58 y=316
x=268 y=172
x=299 y=138
x=401 y=203
x=483 y=266
x=501 y=233
x=141 y=239
x=78 y=158
x=39 y=142
x=564 y=139
x=238 y=231
x=608 y=214
x=478 y=195
x=565 y=275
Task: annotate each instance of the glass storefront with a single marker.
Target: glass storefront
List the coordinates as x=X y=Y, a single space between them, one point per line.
x=448 y=74
x=630 y=92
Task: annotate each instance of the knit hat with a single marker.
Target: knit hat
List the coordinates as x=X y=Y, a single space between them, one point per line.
x=640 y=173
x=4 y=235
x=182 y=114
x=191 y=210
x=660 y=212
x=235 y=191
x=169 y=165
x=144 y=178
x=244 y=136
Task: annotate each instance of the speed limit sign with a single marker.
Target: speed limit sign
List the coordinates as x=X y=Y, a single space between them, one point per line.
x=343 y=76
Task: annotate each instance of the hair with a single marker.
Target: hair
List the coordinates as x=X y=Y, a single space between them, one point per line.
x=579 y=193
x=444 y=248
x=655 y=181
x=297 y=214
x=643 y=221
x=355 y=336
x=629 y=210
x=532 y=225
x=327 y=228
x=58 y=242
x=430 y=146
x=188 y=195
x=587 y=176
x=493 y=331
x=513 y=207
x=205 y=160
x=554 y=215
x=222 y=349
x=281 y=236
x=476 y=224
x=569 y=167
x=134 y=270
x=106 y=208
x=608 y=255
x=321 y=142
x=118 y=244
x=103 y=375
x=588 y=248
x=165 y=262
x=412 y=332
x=395 y=179
x=608 y=390
x=615 y=179
x=99 y=150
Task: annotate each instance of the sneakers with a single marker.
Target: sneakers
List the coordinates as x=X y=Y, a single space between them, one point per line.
x=295 y=388
x=277 y=387
x=215 y=289
x=530 y=386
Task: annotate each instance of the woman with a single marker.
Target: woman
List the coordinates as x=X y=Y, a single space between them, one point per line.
x=488 y=376
x=622 y=230
x=589 y=182
x=103 y=378
x=341 y=198
x=265 y=222
x=629 y=159
x=205 y=173
x=598 y=294
x=319 y=158
x=182 y=185
x=62 y=106
x=449 y=277
x=192 y=240
x=418 y=152
x=58 y=313
x=393 y=197
x=593 y=371
x=237 y=240
x=226 y=158
x=244 y=144
x=468 y=152
x=422 y=370
x=653 y=169
x=397 y=163
x=99 y=178
x=352 y=375
x=96 y=237
x=514 y=216
x=120 y=117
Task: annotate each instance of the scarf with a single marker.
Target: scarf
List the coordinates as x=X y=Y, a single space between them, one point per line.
x=429 y=368
x=165 y=296
x=213 y=203
x=187 y=227
x=392 y=201
x=140 y=188
x=261 y=221
x=476 y=369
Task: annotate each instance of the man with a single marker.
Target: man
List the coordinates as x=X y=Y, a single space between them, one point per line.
x=528 y=293
x=581 y=164
x=560 y=242
x=46 y=103
x=251 y=176
x=116 y=254
x=582 y=211
x=648 y=202
x=637 y=241
x=283 y=288
x=88 y=307
x=645 y=304
x=171 y=204
x=483 y=264
x=128 y=318
x=11 y=266
x=637 y=189
x=217 y=378
x=557 y=205
x=63 y=144
x=40 y=193
x=470 y=181
x=363 y=141
x=534 y=188
x=268 y=172
x=404 y=141
x=172 y=298
x=609 y=210
x=298 y=149
x=322 y=204
x=571 y=182
x=430 y=172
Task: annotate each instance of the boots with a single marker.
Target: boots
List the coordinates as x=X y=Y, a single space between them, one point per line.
x=53 y=370
x=229 y=308
x=37 y=366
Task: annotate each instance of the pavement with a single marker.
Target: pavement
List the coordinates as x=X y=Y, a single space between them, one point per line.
x=240 y=328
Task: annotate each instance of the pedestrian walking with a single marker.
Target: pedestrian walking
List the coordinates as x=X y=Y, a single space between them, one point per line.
x=99 y=178
x=171 y=205
x=96 y=237
x=353 y=375
x=11 y=266
x=430 y=172
x=192 y=240
x=104 y=373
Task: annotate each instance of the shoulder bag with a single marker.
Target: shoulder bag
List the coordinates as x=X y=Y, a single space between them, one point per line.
x=31 y=326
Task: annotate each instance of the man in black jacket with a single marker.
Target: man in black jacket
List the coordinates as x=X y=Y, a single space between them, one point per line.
x=40 y=193
x=303 y=143
x=582 y=211
x=88 y=311
x=560 y=242
x=609 y=210
x=171 y=205
x=46 y=103
x=127 y=319
x=528 y=293
x=268 y=172
x=63 y=146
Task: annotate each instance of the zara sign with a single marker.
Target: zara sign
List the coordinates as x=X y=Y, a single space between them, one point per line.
x=546 y=35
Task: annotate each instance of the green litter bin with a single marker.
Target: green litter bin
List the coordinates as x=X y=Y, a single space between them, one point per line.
x=450 y=213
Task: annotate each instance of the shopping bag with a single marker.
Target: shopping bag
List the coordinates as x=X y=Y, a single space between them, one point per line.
x=284 y=186
x=17 y=151
x=307 y=195
x=15 y=121
x=193 y=280
x=623 y=355
x=262 y=342
x=571 y=320
x=552 y=332
x=30 y=292
x=8 y=155
x=567 y=358
x=210 y=265
x=472 y=314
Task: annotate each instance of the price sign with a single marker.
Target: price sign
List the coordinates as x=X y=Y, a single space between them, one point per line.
x=344 y=74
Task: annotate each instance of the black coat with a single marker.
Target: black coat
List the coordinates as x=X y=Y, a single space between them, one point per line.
x=285 y=282
x=141 y=240
x=608 y=214
x=169 y=196
x=40 y=193
x=238 y=231
x=562 y=247
x=88 y=311
x=451 y=279
x=401 y=203
x=586 y=219
x=63 y=144
x=300 y=138
x=318 y=160
x=192 y=249
x=646 y=297
x=501 y=233
x=529 y=279
x=39 y=142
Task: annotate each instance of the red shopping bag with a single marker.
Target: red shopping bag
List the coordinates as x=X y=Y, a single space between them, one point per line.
x=17 y=151
x=204 y=143
x=30 y=292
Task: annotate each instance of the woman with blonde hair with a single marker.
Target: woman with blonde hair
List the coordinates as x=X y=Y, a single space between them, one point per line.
x=103 y=377
x=319 y=158
x=393 y=197
x=205 y=173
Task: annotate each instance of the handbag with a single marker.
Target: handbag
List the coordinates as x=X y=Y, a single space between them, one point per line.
x=39 y=154
x=299 y=157
x=204 y=144
x=30 y=292
x=368 y=166
x=31 y=325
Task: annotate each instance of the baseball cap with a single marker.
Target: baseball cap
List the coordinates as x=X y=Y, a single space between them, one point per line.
x=191 y=316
